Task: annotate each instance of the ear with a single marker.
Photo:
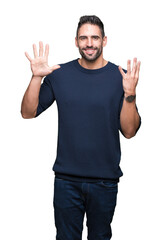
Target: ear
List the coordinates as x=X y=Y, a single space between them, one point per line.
x=76 y=42
x=104 y=41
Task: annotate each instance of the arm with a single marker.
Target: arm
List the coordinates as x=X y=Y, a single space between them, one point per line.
x=129 y=117
x=40 y=68
x=30 y=99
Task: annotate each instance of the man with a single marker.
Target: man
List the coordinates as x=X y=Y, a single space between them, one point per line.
x=95 y=99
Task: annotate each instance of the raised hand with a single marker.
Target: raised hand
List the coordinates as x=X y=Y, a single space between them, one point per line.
x=39 y=65
x=130 y=79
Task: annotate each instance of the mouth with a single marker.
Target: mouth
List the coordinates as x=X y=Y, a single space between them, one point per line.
x=89 y=51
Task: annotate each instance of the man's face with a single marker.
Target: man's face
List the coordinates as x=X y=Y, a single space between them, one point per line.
x=90 y=42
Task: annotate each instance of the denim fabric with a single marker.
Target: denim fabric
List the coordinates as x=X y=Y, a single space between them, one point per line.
x=73 y=199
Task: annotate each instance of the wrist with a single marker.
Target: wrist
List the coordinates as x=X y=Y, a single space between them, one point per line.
x=130 y=98
x=37 y=78
x=126 y=94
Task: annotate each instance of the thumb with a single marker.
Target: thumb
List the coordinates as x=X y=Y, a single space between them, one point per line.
x=121 y=71
x=55 y=67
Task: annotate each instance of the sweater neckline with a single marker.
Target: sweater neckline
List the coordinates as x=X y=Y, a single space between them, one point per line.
x=91 y=71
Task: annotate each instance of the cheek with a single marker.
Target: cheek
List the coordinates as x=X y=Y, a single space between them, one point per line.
x=81 y=45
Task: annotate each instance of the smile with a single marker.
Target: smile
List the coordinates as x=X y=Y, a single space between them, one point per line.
x=89 y=51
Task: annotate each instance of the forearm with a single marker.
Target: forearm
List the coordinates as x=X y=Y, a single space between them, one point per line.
x=129 y=118
x=31 y=98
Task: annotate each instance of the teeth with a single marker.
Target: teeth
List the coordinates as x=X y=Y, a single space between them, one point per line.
x=90 y=50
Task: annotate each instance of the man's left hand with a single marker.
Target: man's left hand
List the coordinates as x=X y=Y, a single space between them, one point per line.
x=130 y=79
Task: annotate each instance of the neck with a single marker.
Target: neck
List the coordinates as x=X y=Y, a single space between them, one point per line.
x=98 y=63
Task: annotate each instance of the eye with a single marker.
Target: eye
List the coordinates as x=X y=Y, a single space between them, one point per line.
x=83 y=38
x=95 y=37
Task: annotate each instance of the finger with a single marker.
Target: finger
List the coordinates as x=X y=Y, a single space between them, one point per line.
x=46 y=51
x=27 y=55
x=55 y=67
x=40 y=49
x=138 y=69
x=134 y=66
x=35 y=51
x=121 y=71
x=129 y=66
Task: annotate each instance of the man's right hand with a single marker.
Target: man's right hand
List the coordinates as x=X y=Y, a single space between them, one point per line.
x=39 y=65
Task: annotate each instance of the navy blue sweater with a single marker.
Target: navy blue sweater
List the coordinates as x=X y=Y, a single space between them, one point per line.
x=89 y=104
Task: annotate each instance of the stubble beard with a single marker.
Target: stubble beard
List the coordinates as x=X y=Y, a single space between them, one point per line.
x=89 y=58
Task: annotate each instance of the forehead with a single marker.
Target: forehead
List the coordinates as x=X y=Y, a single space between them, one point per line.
x=89 y=29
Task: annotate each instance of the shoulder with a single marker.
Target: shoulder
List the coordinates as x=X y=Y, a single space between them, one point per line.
x=67 y=64
x=115 y=68
x=63 y=70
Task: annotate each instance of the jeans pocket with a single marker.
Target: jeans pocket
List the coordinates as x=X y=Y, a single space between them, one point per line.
x=60 y=179
x=109 y=184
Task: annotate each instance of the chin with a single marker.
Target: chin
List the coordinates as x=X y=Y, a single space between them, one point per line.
x=90 y=59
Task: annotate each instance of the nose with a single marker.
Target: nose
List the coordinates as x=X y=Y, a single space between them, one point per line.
x=89 y=42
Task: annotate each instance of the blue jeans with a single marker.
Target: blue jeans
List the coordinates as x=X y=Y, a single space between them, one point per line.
x=73 y=199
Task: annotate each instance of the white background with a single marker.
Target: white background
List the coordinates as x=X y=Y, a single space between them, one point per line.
x=28 y=146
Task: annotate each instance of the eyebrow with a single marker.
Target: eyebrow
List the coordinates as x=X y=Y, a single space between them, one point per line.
x=91 y=36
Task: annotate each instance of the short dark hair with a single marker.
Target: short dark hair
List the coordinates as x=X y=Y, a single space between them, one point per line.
x=92 y=19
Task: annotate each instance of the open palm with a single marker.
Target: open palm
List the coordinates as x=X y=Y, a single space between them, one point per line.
x=39 y=65
x=130 y=79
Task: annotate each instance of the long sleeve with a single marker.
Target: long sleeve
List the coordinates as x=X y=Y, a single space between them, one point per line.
x=46 y=96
